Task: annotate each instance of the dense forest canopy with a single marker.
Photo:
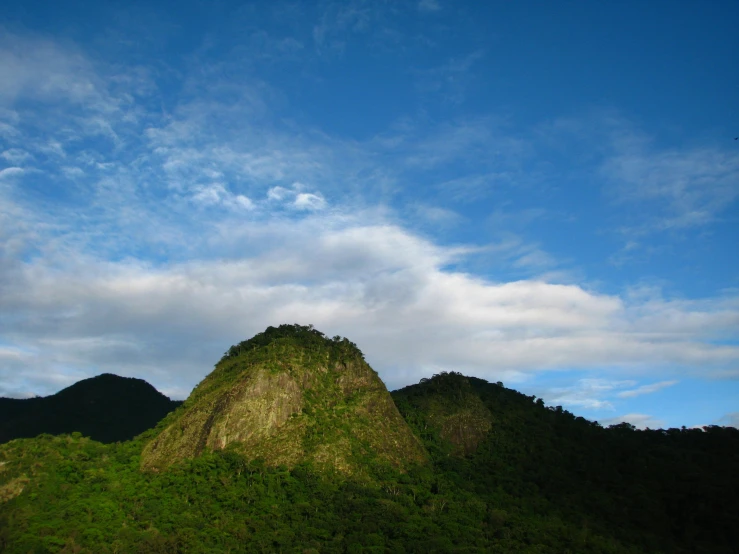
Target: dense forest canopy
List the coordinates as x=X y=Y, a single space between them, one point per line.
x=303 y=335
x=503 y=473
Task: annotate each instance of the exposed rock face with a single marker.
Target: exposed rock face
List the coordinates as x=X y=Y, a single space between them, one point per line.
x=286 y=396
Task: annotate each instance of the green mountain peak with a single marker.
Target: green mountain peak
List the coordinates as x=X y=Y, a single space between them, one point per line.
x=290 y=395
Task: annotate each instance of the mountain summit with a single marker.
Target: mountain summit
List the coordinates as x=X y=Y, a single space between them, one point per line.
x=288 y=395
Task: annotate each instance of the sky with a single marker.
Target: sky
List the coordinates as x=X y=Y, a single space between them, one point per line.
x=539 y=193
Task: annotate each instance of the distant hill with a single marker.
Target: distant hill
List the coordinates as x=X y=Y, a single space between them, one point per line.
x=287 y=396
x=107 y=408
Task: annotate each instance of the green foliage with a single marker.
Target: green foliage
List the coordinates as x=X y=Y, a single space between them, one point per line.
x=666 y=490
x=287 y=395
x=537 y=480
x=90 y=498
x=304 y=336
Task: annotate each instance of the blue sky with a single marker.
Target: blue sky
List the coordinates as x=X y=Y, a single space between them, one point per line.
x=543 y=194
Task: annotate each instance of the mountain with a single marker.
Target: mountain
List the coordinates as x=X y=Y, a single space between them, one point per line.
x=677 y=488
x=107 y=408
x=293 y=444
x=287 y=396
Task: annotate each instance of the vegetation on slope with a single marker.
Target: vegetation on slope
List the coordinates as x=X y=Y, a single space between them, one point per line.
x=288 y=395
x=673 y=490
x=504 y=474
x=85 y=497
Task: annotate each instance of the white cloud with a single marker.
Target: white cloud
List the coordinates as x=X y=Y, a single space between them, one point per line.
x=209 y=195
x=591 y=394
x=242 y=202
x=376 y=283
x=640 y=421
x=479 y=139
x=10 y=172
x=202 y=139
x=730 y=420
x=600 y=394
x=308 y=201
x=15 y=155
x=72 y=172
x=535 y=258
x=277 y=193
x=36 y=68
x=293 y=197
x=216 y=194
x=674 y=191
x=680 y=188
x=437 y=215
x=646 y=389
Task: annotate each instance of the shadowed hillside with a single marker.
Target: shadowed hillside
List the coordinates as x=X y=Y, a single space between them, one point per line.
x=677 y=489
x=107 y=408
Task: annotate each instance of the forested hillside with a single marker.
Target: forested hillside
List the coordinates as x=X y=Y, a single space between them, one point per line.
x=500 y=472
x=674 y=490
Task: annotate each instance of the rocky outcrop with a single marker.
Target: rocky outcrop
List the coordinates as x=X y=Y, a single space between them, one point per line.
x=286 y=396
